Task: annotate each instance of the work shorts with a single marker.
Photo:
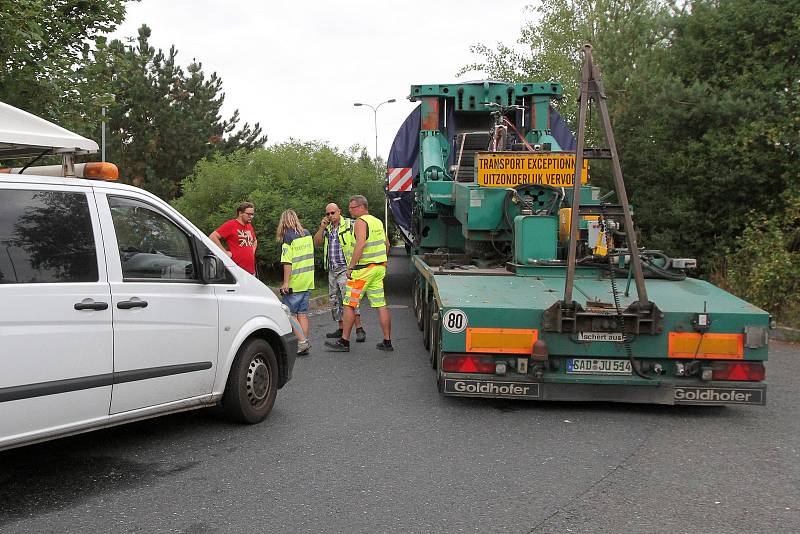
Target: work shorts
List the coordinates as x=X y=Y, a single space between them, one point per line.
x=337 y=288
x=297 y=302
x=366 y=281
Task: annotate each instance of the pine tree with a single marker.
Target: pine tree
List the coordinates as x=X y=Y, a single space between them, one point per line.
x=163 y=119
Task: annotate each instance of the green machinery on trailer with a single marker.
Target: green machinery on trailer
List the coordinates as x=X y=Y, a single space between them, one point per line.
x=525 y=286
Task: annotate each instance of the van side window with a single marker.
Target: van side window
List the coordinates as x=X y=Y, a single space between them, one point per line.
x=150 y=245
x=46 y=237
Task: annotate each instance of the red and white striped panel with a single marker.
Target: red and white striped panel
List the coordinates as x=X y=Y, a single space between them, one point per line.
x=399 y=179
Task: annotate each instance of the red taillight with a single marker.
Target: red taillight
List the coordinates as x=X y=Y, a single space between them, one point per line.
x=468 y=363
x=738 y=371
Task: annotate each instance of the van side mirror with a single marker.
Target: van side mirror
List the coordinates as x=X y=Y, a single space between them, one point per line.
x=214 y=271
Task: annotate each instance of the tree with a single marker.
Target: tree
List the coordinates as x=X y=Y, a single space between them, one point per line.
x=703 y=101
x=301 y=176
x=622 y=33
x=712 y=133
x=163 y=120
x=42 y=43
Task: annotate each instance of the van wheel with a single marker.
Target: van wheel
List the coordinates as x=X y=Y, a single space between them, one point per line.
x=252 y=383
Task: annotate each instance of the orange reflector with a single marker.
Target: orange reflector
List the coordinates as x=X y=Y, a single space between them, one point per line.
x=708 y=346
x=501 y=340
x=6 y=170
x=102 y=170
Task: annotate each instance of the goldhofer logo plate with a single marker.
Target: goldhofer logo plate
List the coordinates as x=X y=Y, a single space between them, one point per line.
x=713 y=395
x=487 y=388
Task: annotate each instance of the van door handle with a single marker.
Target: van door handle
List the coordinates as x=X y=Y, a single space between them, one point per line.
x=128 y=304
x=91 y=305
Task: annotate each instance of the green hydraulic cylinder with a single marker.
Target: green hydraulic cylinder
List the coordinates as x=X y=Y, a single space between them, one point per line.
x=434 y=151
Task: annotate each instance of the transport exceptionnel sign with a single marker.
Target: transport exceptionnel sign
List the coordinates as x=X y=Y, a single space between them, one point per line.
x=507 y=169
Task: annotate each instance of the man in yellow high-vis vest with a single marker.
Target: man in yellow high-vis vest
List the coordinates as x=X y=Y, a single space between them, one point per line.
x=335 y=236
x=366 y=271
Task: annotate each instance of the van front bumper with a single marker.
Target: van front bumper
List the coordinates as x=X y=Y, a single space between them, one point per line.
x=289 y=345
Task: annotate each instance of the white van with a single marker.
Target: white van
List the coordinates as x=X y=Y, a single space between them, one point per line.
x=115 y=308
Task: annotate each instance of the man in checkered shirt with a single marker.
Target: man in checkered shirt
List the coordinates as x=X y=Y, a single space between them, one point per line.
x=335 y=233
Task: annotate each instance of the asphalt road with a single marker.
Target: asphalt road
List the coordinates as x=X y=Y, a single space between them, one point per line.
x=362 y=442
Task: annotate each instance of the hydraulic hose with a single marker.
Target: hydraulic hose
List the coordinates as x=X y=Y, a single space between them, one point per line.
x=663 y=273
x=621 y=316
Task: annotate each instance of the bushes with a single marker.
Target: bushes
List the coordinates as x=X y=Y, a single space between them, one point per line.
x=300 y=176
x=765 y=268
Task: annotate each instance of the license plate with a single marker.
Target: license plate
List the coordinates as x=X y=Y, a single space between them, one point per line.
x=594 y=366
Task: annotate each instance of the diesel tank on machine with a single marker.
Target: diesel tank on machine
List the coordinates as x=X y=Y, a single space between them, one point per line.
x=529 y=282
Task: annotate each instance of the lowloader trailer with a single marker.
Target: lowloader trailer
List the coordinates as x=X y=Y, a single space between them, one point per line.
x=525 y=285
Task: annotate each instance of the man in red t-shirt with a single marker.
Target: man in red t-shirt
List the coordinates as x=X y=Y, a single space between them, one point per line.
x=240 y=237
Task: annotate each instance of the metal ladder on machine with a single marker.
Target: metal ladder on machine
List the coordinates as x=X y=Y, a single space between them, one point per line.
x=566 y=315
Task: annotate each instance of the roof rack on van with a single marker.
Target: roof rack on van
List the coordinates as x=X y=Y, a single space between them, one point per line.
x=23 y=134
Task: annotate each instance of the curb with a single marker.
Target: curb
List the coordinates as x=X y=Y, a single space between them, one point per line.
x=784 y=333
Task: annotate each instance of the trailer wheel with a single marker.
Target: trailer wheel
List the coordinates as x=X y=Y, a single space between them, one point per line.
x=439 y=374
x=426 y=326
x=252 y=383
x=435 y=336
x=417 y=299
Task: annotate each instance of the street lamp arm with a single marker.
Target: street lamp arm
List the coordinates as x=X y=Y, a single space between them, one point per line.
x=375 y=121
x=375 y=117
x=358 y=104
x=390 y=101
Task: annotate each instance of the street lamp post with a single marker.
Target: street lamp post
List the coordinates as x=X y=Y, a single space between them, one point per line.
x=103 y=134
x=104 y=101
x=375 y=120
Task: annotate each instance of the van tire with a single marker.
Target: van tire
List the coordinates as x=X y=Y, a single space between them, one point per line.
x=252 y=383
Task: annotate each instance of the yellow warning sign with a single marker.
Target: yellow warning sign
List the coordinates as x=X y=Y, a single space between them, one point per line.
x=505 y=169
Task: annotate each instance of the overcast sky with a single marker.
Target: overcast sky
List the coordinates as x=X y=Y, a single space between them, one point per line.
x=297 y=67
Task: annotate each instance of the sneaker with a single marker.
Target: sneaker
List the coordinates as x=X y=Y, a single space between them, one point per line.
x=334 y=335
x=303 y=347
x=385 y=346
x=336 y=346
x=361 y=336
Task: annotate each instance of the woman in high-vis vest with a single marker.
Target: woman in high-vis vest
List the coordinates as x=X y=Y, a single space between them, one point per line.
x=365 y=274
x=297 y=260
